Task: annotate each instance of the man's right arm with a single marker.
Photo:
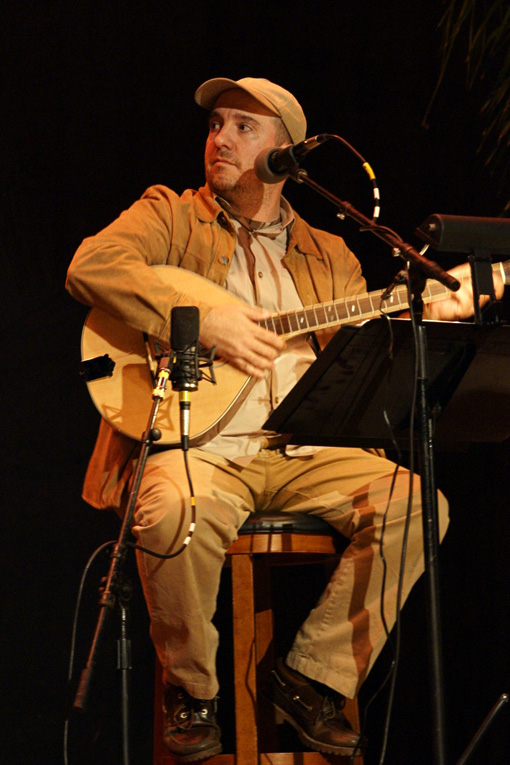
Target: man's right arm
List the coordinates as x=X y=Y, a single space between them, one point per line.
x=112 y=270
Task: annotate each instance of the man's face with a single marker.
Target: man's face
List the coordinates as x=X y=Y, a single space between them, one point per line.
x=239 y=129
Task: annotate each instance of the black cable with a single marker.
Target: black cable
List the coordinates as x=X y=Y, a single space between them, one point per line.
x=370 y=173
x=74 y=631
x=394 y=670
x=86 y=570
x=383 y=528
x=396 y=645
x=192 y=524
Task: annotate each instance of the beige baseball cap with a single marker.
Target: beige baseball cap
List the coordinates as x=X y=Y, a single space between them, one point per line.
x=274 y=97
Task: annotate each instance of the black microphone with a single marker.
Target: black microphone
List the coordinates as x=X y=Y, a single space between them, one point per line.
x=185 y=374
x=275 y=165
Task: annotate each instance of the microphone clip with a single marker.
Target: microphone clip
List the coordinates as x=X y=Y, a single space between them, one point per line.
x=206 y=361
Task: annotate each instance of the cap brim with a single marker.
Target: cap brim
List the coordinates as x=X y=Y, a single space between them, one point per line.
x=207 y=94
x=209 y=91
x=277 y=100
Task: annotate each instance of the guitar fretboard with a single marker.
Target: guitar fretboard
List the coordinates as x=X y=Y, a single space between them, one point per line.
x=356 y=308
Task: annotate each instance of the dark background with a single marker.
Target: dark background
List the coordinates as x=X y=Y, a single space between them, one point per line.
x=96 y=105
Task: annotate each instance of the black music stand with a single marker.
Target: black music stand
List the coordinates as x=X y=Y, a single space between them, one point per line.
x=353 y=382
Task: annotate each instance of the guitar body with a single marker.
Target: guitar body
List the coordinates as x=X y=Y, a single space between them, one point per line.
x=124 y=399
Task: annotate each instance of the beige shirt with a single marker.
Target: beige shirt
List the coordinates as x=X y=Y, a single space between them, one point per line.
x=258 y=276
x=112 y=272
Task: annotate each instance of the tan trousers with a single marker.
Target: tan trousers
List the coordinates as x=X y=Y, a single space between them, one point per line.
x=349 y=488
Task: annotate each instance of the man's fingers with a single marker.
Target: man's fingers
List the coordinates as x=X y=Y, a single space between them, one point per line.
x=240 y=339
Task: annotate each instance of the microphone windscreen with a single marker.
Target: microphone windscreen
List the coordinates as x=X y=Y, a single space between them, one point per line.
x=185 y=327
x=263 y=170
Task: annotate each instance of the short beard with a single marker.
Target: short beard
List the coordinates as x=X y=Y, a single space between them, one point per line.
x=246 y=188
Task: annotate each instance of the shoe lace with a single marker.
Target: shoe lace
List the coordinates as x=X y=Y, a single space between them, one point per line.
x=332 y=705
x=189 y=707
x=183 y=716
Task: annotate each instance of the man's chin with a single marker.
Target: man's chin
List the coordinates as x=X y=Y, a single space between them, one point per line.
x=232 y=188
x=220 y=183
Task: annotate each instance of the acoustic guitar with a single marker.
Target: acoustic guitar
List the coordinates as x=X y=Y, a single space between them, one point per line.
x=121 y=362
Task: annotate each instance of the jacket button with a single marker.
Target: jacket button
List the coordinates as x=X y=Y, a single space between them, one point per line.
x=224 y=260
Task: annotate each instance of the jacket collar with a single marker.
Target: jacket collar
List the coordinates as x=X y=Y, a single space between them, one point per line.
x=208 y=210
x=206 y=207
x=301 y=238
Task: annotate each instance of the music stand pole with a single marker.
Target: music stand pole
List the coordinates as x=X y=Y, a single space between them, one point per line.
x=430 y=530
x=420 y=269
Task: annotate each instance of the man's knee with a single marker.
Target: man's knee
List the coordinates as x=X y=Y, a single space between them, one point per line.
x=162 y=512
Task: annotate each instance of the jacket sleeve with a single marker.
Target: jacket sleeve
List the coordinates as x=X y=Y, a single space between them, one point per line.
x=112 y=270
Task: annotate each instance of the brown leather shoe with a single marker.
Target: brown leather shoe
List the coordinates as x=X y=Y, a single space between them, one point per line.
x=318 y=719
x=191 y=732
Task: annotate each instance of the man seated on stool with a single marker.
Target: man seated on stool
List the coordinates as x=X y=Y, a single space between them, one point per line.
x=242 y=234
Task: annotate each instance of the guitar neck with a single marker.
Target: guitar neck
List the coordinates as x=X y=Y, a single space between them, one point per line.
x=360 y=307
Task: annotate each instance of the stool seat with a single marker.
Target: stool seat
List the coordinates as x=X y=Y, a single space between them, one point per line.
x=286 y=533
x=295 y=523
x=264 y=540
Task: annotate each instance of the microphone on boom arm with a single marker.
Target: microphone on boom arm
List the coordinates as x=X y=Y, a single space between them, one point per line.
x=276 y=164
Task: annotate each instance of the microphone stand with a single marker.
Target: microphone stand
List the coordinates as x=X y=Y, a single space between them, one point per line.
x=427 y=267
x=420 y=269
x=115 y=587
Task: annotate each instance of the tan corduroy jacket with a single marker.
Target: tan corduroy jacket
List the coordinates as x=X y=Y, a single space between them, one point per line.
x=110 y=271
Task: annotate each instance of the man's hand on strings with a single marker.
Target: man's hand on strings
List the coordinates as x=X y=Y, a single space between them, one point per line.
x=239 y=339
x=459 y=305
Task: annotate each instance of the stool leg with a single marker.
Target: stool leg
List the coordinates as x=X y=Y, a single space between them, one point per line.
x=253 y=635
x=268 y=731
x=244 y=660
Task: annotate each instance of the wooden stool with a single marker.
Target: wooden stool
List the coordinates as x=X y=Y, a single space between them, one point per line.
x=264 y=540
